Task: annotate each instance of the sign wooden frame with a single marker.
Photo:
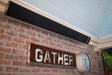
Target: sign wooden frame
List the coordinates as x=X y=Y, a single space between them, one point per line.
x=44 y=56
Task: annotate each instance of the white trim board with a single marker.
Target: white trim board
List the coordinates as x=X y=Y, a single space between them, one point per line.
x=105 y=43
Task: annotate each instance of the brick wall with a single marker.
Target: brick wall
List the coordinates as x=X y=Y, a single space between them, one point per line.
x=15 y=37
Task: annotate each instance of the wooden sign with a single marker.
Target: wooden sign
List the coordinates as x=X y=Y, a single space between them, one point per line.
x=44 y=56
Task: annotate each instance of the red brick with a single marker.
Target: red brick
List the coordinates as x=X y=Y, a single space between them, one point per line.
x=7 y=50
x=56 y=40
x=34 y=39
x=1 y=69
x=12 y=33
x=25 y=36
x=18 y=40
x=24 y=70
x=15 y=51
x=11 y=69
x=59 y=45
x=45 y=70
x=35 y=29
x=52 y=43
x=36 y=70
x=24 y=58
x=20 y=30
x=1 y=42
x=16 y=57
x=29 y=42
x=54 y=70
x=6 y=26
x=1 y=30
x=44 y=32
x=10 y=21
x=44 y=41
x=8 y=69
x=25 y=26
x=74 y=46
x=10 y=56
x=68 y=71
x=2 y=55
x=14 y=45
x=73 y=71
x=18 y=63
x=66 y=47
x=5 y=62
x=25 y=47
x=2 y=25
x=63 y=42
x=40 y=36
x=31 y=33
x=49 y=39
x=5 y=37
x=62 y=70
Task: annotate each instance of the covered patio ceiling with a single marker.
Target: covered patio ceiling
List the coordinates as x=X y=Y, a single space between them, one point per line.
x=91 y=16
